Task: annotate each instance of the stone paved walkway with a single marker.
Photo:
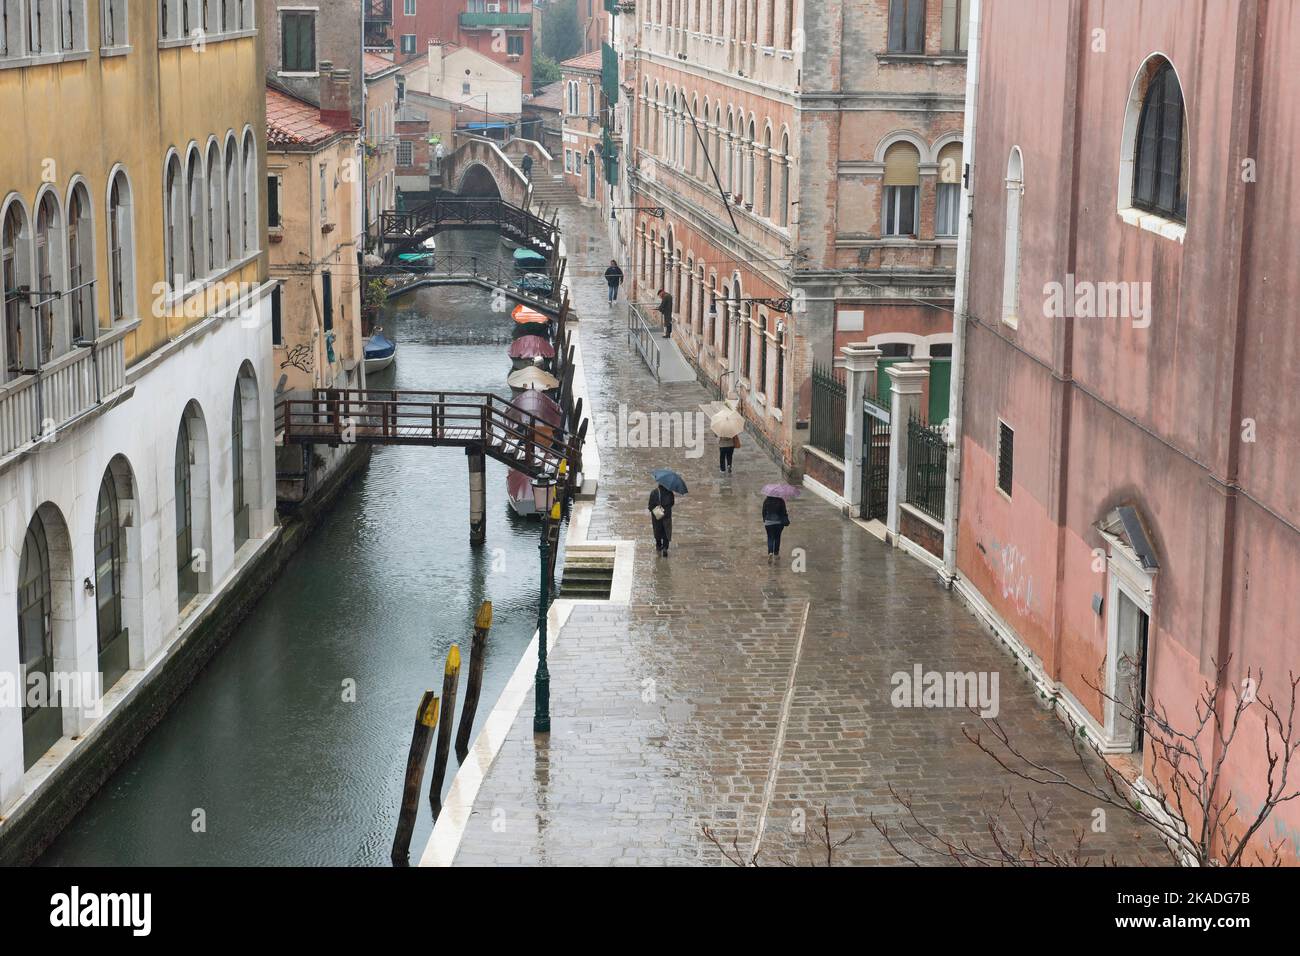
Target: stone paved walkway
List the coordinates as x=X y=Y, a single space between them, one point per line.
x=737 y=695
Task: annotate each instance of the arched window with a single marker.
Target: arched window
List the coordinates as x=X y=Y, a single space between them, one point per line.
x=902 y=188
x=49 y=270
x=1161 y=146
x=173 y=216
x=783 y=217
x=121 y=250
x=217 y=256
x=110 y=552
x=42 y=722
x=15 y=268
x=250 y=195
x=765 y=195
x=195 y=253
x=1011 y=254
x=237 y=467
x=81 y=264
x=694 y=151
x=947 y=206
x=234 y=203
x=751 y=172
x=186 y=572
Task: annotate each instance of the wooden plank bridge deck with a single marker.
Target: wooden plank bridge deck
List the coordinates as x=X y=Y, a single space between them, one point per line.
x=478 y=421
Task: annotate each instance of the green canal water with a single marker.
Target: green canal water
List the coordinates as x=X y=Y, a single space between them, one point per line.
x=264 y=748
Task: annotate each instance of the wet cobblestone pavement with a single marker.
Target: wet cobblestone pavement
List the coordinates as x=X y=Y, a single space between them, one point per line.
x=742 y=696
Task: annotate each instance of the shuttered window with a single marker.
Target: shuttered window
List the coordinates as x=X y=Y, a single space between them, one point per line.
x=1006 y=457
x=298 y=42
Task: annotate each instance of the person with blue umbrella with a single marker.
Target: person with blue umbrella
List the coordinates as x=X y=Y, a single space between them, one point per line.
x=669 y=486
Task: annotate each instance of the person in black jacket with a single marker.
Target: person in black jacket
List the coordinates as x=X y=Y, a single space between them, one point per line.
x=775 y=519
x=666 y=311
x=662 y=520
x=613 y=279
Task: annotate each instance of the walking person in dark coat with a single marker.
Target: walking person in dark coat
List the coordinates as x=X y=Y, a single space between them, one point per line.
x=528 y=167
x=775 y=519
x=666 y=311
x=613 y=279
x=661 y=517
x=726 y=451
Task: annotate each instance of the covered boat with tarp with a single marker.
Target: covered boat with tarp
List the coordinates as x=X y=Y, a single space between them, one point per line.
x=529 y=259
x=380 y=351
x=536 y=282
x=540 y=415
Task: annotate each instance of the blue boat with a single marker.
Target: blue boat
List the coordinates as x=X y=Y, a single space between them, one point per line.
x=536 y=282
x=379 y=352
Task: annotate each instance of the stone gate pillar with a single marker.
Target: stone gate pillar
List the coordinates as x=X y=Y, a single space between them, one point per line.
x=907 y=382
x=860 y=363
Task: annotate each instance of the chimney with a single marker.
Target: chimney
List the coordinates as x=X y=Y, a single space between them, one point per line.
x=435 y=65
x=335 y=96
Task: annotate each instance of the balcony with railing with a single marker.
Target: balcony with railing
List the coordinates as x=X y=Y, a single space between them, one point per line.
x=35 y=406
x=488 y=20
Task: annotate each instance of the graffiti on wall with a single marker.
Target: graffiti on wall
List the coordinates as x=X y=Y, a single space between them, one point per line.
x=1016 y=580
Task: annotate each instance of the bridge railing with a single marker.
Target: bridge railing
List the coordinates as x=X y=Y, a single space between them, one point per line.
x=639 y=331
x=516 y=220
x=492 y=269
x=387 y=416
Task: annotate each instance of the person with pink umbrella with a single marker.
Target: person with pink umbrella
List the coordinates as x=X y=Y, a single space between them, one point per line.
x=776 y=518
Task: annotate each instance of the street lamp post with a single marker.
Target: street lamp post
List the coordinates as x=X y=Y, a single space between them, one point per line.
x=544 y=499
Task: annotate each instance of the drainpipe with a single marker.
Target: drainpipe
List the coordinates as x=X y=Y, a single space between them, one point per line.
x=952 y=493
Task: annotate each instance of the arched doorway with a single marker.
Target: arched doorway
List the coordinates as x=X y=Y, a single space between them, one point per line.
x=45 y=629
x=591 y=174
x=246 y=457
x=192 y=497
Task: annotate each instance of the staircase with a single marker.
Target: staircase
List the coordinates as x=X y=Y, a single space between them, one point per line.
x=588 y=573
x=551 y=190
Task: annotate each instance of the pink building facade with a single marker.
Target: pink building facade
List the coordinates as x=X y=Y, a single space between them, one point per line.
x=1128 y=436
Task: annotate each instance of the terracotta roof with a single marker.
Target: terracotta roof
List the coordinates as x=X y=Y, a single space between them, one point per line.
x=549 y=98
x=294 y=122
x=588 y=61
x=375 y=64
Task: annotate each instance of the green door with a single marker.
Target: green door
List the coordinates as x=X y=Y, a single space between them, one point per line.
x=940 y=380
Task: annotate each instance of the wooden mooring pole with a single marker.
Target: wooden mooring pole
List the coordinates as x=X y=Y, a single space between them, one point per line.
x=477 y=493
x=450 y=682
x=477 y=653
x=425 y=720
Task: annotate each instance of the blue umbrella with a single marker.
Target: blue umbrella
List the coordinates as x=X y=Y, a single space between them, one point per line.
x=670 y=480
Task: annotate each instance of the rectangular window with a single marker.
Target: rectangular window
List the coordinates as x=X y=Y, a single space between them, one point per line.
x=900 y=211
x=298 y=42
x=1006 y=457
x=947 y=206
x=405 y=154
x=408 y=42
x=327 y=299
x=515 y=45
x=906 y=26
x=112 y=16
x=956 y=20
x=277 y=329
x=408 y=7
x=273 y=202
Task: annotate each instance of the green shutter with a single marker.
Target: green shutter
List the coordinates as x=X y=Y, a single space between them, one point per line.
x=609 y=73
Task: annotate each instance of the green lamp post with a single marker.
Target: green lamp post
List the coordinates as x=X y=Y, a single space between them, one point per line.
x=547 y=506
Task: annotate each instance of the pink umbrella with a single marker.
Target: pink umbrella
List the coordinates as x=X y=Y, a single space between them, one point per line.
x=531 y=346
x=537 y=403
x=781 y=490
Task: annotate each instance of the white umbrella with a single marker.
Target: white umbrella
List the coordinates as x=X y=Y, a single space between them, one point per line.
x=727 y=423
x=533 y=377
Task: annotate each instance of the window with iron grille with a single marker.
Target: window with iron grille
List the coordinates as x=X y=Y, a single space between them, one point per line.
x=1006 y=457
x=405 y=154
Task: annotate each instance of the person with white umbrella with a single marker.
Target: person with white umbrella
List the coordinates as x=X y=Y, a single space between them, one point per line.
x=727 y=425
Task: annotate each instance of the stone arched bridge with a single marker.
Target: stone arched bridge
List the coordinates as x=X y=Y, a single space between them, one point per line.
x=479 y=168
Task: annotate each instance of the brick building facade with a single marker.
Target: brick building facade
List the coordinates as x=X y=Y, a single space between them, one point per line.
x=501 y=30
x=829 y=130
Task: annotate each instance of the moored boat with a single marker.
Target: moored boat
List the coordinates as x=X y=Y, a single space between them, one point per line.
x=380 y=351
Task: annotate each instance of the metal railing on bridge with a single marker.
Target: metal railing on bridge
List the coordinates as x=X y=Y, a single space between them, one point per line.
x=490 y=270
x=441 y=419
x=442 y=213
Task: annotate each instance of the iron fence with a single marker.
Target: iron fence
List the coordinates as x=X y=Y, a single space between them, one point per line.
x=927 y=467
x=829 y=394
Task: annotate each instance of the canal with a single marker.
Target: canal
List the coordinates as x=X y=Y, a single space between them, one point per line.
x=265 y=748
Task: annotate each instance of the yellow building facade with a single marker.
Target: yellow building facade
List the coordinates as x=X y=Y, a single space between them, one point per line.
x=136 y=402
